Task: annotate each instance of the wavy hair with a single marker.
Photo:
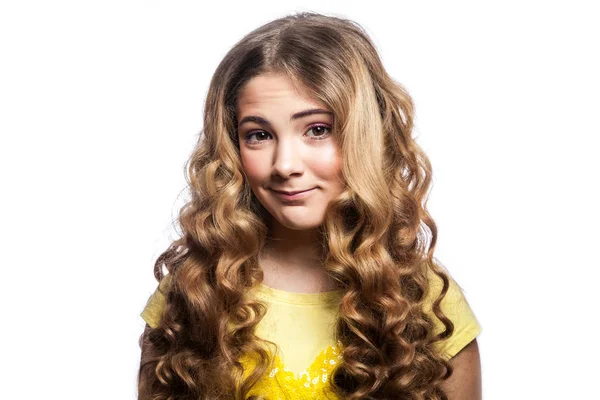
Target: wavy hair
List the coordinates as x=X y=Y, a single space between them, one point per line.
x=378 y=235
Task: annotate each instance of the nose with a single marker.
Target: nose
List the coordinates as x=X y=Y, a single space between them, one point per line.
x=287 y=159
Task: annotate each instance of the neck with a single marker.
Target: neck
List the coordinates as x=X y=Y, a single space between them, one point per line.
x=294 y=247
x=293 y=260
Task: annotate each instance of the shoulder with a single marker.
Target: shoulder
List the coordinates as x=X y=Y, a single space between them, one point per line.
x=156 y=303
x=456 y=308
x=454 y=297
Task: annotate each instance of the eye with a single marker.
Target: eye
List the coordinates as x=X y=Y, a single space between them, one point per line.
x=259 y=135
x=321 y=131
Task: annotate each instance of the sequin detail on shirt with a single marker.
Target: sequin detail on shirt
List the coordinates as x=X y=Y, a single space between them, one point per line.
x=312 y=383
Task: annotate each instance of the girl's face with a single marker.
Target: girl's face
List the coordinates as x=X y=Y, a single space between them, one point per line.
x=286 y=145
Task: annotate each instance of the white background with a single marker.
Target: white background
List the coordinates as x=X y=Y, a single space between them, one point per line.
x=100 y=106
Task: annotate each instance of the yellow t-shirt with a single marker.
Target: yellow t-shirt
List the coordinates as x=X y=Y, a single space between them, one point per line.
x=302 y=325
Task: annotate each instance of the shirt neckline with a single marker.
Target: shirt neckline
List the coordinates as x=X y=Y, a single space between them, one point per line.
x=283 y=296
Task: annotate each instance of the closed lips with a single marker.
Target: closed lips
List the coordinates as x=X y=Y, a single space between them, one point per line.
x=294 y=192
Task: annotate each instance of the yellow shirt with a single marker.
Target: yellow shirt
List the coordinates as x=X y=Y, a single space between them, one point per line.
x=302 y=325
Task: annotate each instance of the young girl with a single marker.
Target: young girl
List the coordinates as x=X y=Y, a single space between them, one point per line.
x=305 y=266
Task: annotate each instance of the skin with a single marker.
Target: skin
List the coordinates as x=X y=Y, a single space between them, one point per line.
x=289 y=154
x=293 y=155
x=465 y=382
x=285 y=154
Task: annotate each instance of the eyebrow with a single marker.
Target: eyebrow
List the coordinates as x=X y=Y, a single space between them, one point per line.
x=298 y=115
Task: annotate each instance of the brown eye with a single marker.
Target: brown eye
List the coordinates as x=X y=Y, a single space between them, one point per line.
x=259 y=136
x=320 y=131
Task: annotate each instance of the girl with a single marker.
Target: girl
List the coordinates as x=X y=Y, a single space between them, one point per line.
x=305 y=266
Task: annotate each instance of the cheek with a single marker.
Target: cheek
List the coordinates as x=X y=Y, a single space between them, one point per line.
x=327 y=163
x=254 y=166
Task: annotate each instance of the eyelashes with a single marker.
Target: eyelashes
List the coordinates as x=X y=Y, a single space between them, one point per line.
x=248 y=137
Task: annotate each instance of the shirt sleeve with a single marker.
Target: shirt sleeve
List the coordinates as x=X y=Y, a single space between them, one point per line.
x=457 y=309
x=152 y=313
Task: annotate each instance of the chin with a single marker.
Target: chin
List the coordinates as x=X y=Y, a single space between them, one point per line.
x=299 y=223
x=301 y=226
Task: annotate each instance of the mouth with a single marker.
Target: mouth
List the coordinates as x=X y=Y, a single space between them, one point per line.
x=293 y=195
x=290 y=193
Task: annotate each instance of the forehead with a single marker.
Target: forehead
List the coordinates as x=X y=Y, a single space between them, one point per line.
x=272 y=88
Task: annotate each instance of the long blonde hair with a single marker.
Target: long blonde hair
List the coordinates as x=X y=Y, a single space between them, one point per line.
x=378 y=234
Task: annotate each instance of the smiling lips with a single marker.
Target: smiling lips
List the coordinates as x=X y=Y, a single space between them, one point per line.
x=293 y=195
x=290 y=192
